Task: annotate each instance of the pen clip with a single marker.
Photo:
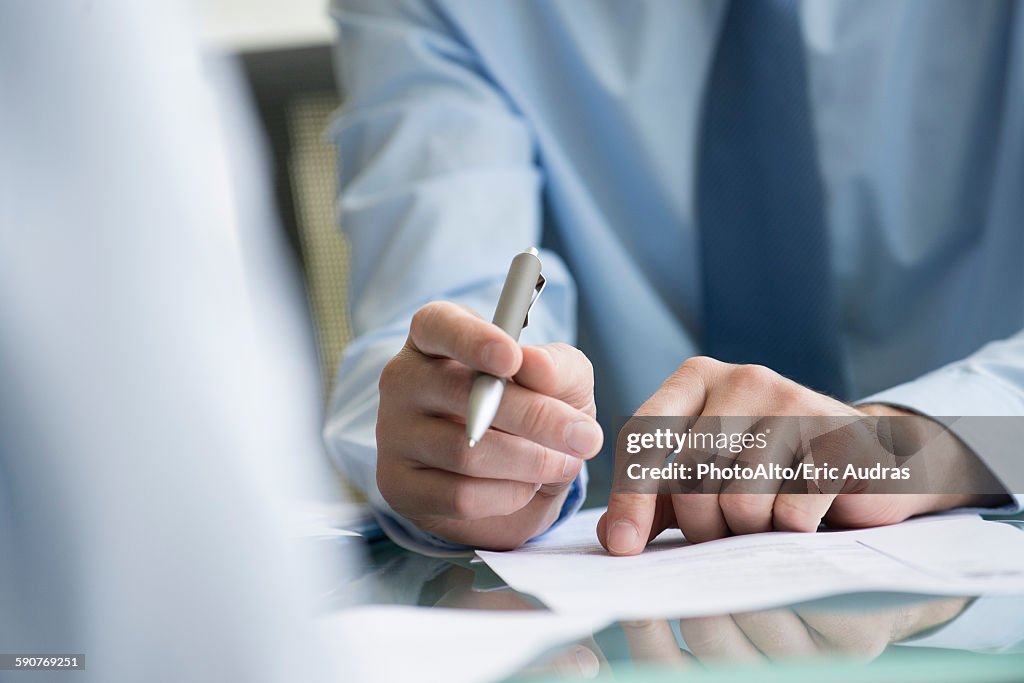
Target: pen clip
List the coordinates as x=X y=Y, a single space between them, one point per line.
x=537 y=289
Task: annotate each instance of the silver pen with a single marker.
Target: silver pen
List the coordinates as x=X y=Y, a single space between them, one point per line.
x=522 y=287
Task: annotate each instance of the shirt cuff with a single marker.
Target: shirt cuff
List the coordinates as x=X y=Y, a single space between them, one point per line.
x=965 y=398
x=573 y=501
x=407 y=535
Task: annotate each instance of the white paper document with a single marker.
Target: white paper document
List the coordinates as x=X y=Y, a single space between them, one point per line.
x=944 y=555
x=399 y=643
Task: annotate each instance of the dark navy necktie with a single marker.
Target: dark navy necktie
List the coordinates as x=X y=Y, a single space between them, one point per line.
x=768 y=294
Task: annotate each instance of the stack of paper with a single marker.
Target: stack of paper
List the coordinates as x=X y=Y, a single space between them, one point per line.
x=943 y=555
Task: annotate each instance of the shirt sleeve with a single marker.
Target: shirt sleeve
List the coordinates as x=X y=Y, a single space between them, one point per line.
x=968 y=396
x=438 y=191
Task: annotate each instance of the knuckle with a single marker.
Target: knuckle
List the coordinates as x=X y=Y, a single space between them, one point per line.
x=699 y=364
x=542 y=466
x=751 y=378
x=679 y=380
x=519 y=495
x=644 y=630
x=465 y=500
x=743 y=505
x=576 y=376
x=465 y=309
x=702 y=634
x=691 y=373
x=629 y=505
x=790 y=397
x=789 y=515
x=575 y=356
x=536 y=415
x=422 y=319
x=427 y=320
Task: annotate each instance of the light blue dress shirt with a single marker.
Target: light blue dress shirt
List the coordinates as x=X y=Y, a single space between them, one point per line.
x=472 y=130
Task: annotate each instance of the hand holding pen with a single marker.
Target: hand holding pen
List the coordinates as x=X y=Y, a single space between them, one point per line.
x=510 y=485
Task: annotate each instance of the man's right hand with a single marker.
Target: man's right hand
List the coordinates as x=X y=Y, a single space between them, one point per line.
x=510 y=486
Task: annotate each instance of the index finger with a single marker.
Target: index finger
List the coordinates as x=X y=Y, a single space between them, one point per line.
x=561 y=371
x=684 y=393
x=443 y=329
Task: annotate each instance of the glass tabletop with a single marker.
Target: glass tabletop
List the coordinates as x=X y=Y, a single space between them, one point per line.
x=876 y=636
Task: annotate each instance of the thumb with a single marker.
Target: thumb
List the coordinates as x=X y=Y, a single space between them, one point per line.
x=625 y=528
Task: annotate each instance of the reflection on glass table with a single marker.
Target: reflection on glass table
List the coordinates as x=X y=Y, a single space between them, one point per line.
x=874 y=636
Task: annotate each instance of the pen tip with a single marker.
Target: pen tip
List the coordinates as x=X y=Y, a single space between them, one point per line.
x=472 y=442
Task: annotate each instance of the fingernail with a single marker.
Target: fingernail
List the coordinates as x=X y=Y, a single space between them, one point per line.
x=583 y=436
x=571 y=467
x=497 y=358
x=623 y=536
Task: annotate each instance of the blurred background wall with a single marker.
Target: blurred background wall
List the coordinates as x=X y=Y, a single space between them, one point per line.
x=284 y=47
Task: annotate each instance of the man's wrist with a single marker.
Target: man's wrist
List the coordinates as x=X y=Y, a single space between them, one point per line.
x=960 y=465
